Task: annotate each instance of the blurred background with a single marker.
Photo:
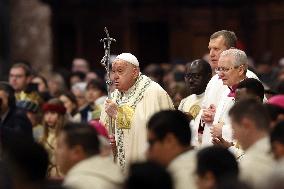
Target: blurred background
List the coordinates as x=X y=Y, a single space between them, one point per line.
x=50 y=33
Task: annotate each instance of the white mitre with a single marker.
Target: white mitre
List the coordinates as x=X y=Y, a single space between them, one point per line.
x=128 y=57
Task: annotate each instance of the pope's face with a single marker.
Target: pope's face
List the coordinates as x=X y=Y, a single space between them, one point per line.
x=124 y=75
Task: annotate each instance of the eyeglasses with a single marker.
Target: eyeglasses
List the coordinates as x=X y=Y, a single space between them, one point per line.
x=223 y=69
x=192 y=76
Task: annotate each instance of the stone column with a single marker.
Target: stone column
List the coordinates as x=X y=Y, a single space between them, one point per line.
x=31 y=34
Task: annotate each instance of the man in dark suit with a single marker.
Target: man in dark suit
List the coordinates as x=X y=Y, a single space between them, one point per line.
x=13 y=122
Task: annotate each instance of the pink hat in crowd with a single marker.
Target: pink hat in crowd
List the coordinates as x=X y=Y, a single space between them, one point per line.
x=277 y=100
x=100 y=128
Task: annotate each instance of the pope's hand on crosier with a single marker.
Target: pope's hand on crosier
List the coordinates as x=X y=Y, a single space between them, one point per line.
x=111 y=108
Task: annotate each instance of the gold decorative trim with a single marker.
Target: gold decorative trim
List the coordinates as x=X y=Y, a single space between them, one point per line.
x=124 y=117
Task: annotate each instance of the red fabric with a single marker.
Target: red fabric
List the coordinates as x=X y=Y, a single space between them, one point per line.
x=201 y=127
x=100 y=128
x=277 y=100
x=232 y=91
x=54 y=108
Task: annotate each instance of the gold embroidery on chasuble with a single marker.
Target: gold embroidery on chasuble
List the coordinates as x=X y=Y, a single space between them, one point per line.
x=124 y=117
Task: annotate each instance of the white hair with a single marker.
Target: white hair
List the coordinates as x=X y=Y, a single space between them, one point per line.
x=239 y=56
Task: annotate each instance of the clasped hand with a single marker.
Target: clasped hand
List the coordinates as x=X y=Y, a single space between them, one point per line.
x=208 y=114
x=111 y=108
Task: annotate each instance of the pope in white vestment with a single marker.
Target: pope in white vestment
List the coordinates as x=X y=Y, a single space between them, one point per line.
x=134 y=107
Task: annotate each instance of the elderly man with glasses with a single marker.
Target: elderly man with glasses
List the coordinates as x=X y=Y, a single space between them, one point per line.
x=232 y=68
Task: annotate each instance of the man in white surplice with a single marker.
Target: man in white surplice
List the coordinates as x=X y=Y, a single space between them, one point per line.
x=219 y=41
x=232 y=67
x=135 y=99
x=197 y=76
x=169 y=139
x=250 y=124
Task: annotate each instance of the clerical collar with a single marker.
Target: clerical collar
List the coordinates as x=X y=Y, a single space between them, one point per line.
x=233 y=89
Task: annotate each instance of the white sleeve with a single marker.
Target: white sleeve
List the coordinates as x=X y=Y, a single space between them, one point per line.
x=227 y=133
x=238 y=153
